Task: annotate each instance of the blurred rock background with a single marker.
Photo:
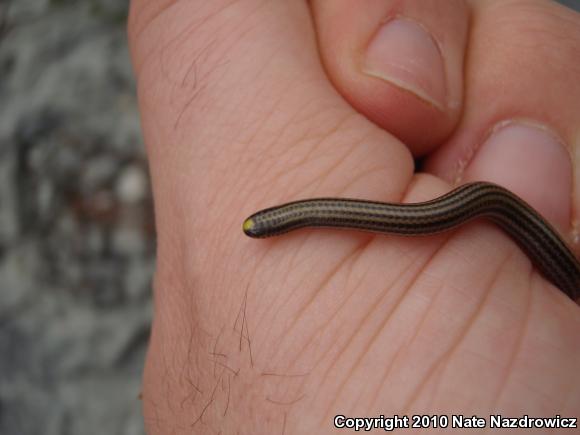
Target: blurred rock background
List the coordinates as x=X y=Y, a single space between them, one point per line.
x=76 y=224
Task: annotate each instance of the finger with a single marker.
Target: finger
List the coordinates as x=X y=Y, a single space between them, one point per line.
x=520 y=126
x=400 y=63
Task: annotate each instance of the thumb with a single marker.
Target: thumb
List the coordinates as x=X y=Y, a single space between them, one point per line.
x=398 y=63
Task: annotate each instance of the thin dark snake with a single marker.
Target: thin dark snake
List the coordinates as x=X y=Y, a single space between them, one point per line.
x=526 y=226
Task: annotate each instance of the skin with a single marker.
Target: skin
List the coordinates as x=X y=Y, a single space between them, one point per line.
x=249 y=104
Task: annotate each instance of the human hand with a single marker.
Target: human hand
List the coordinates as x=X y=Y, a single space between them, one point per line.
x=250 y=104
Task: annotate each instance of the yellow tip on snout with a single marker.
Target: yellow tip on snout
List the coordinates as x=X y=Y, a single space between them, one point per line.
x=248 y=225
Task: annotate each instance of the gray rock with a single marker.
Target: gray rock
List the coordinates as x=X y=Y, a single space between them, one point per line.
x=76 y=249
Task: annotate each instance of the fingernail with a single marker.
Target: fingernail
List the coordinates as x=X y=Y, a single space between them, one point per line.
x=531 y=161
x=405 y=55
